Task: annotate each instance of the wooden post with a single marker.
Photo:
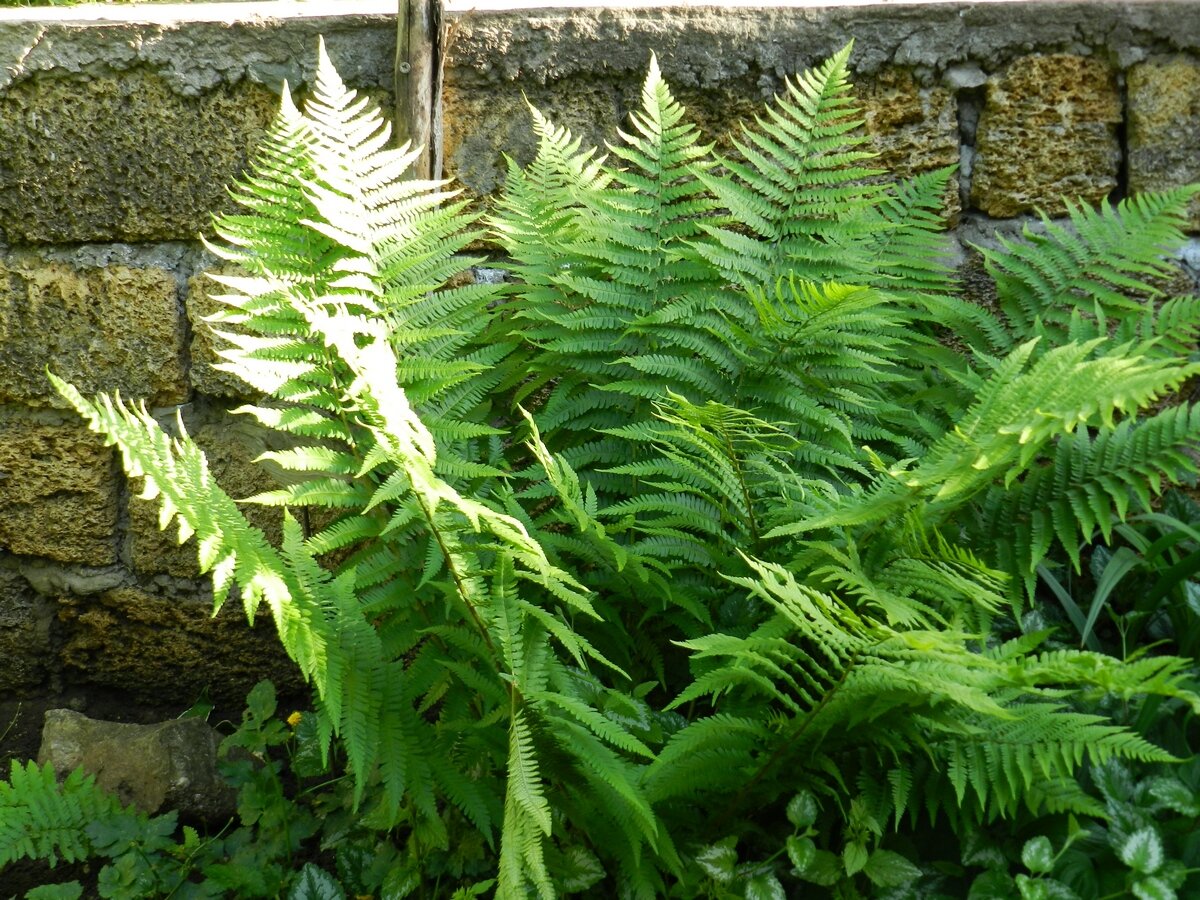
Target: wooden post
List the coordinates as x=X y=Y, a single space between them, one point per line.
x=418 y=82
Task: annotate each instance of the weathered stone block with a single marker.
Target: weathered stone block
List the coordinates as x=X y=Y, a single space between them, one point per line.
x=913 y=129
x=58 y=495
x=167 y=650
x=101 y=329
x=25 y=652
x=481 y=127
x=1048 y=130
x=1164 y=126
x=121 y=157
x=231 y=445
x=168 y=766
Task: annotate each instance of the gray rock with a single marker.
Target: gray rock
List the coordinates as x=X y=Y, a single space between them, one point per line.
x=170 y=765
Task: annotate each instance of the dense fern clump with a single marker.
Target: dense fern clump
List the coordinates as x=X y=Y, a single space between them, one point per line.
x=700 y=528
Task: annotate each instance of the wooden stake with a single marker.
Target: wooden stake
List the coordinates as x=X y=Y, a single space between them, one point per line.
x=418 y=82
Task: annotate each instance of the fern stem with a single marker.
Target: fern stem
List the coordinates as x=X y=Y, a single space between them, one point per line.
x=737 y=468
x=784 y=746
x=459 y=583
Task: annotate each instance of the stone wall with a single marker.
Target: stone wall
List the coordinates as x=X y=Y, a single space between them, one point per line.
x=120 y=131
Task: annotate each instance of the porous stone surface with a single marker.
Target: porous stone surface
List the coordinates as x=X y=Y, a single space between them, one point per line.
x=121 y=158
x=913 y=129
x=231 y=444
x=99 y=328
x=164 y=649
x=1048 y=131
x=169 y=765
x=1164 y=126
x=58 y=495
x=25 y=650
x=480 y=129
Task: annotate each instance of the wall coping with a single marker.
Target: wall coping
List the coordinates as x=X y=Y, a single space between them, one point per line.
x=248 y=11
x=240 y=11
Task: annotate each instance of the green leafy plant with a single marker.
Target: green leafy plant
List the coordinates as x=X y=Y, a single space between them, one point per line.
x=704 y=509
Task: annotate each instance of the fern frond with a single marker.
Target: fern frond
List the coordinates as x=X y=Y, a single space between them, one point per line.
x=800 y=192
x=1092 y=269
x=43 y=820
x=1089 y=483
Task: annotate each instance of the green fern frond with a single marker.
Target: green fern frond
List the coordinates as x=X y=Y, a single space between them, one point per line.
x=43 y=820
x=998 y=734
x=800 y=191
x=1089 y=483
x=1096 y=268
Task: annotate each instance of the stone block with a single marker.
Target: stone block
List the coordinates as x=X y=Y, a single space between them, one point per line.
x=231 y=444
x=480 y=128
x=25 y=651
x=167 y=766
x=167 y=649
x=99 y=328
x=913 y=129
x=1164 y=127
x=58 y=493
x=121 y=158
x=1048 y=130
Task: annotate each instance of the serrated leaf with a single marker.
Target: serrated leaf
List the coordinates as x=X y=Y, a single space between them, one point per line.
x=1152 y=888
x=992 y=885
x=1175 y=795
x=765 y=887
x=854 y=857
x=1038 y=855
x=718 y=862
x=1142 y=851
x=802 y=810
x=801 y=851
x=315 y=883
x=889 y=869
x=825 y=870
x=401 y=881
x=1044 y=889
x=578 y=870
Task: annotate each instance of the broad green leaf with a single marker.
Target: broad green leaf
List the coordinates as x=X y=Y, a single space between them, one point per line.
x=802 y=810
x=765 y=887
x=1038 y=855
x=1152 y=888
x=718 y=862
x=992 y=885
x=889 y=869
x=315 y=883
x=1044 y=889
x=801 y=851
x=578 y=869
x=854 y=857
x=1175 y=795
x=1142 y=851
x=826 y=869
x=401 y=881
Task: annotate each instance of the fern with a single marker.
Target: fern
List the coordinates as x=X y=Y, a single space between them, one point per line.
x=42 y=819
x=1095 y=277
x=732 y=495
x=1091 y=482
x=836 y=675
x=800 y=191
